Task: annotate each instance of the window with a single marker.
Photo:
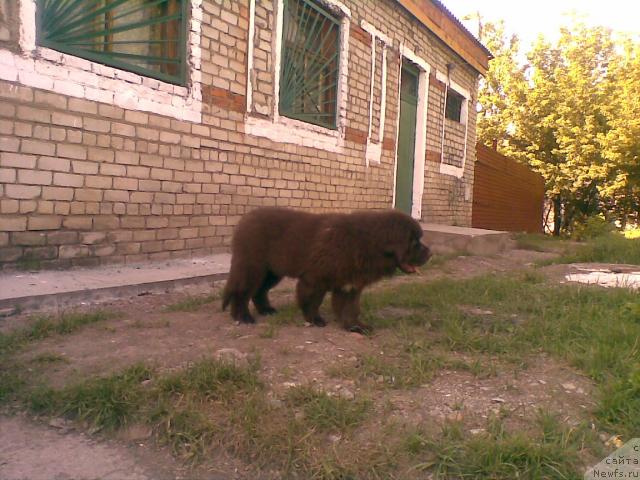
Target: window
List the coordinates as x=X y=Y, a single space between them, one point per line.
x=455 y=101
x=310 y=61
x=142 y=36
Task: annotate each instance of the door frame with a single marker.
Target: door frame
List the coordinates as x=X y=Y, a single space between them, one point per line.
x=419 y=156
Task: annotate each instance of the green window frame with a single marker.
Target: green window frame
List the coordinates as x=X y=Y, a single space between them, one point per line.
x=310 y=63
x=147 y=37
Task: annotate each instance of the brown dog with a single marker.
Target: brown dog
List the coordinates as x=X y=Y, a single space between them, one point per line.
x=340 y=253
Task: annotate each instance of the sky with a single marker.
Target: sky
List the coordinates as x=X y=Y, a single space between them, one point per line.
x=528 y=19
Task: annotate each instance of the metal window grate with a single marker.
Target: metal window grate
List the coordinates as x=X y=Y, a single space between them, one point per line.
x=142 y=36
x=310 y=62
x=453 y=110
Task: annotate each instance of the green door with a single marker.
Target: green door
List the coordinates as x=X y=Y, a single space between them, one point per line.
x=406 y=137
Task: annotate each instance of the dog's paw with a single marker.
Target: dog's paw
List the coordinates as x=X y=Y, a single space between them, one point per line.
x=318 y=321
x=360 y=328
x=267 y=311
x=247 y=318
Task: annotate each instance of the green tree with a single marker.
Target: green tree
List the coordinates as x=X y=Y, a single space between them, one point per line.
x=503 y=85
x=621 y=144
x=556 y=114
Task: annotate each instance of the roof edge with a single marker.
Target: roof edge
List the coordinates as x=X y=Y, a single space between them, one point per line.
x=434 y=15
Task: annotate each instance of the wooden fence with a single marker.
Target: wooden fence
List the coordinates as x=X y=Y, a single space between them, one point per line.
x=506 y=194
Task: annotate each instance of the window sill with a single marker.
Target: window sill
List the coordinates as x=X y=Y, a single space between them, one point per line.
x=43 y=68
x=457 y=172
x=296 y=132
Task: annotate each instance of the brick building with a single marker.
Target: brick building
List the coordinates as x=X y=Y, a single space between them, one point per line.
x=142 y=130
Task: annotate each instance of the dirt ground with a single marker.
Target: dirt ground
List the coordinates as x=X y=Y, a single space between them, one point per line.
x=146 y=332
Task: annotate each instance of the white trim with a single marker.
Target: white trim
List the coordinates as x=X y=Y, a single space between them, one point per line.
x=420 y=150
x=446 y=169
x=288 y=130
x=373 y=153
x=374 y=32
x=47 y=69
x=250 y=39
x=383 y=97
x=395 y=153
x=370 y=122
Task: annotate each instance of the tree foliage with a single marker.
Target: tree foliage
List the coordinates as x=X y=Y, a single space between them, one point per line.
x=572 y=112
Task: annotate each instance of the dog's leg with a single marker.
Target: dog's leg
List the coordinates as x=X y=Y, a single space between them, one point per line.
x=238 y=290
x=309 y=299
x=240 y=308
x=261 y=299
x=346 y=307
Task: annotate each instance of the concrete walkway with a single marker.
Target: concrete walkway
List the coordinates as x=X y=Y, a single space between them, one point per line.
x=56 y=289
x=63 y=288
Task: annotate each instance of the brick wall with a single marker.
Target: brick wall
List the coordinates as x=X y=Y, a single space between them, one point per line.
x=506 y=194
x=85 y=180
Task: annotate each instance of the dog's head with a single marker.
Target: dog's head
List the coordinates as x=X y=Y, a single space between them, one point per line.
x=406 y=245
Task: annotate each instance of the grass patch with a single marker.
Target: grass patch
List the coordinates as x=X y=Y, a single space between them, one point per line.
x=611 y=248
x=538 y=242
x=594 y=329
x=415 y=365
x=191 y=303
x=289 y=314
x=325 y=412
x=550 y=453
x=183 y=407
x=48 y=358
x=309 y=433
x=14 y=376
x=211 y=379
x=43 y=326
x=103 y=403
x=12 y=381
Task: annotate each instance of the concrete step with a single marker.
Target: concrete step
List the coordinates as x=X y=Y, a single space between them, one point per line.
x=59 y=289
x=446 y=239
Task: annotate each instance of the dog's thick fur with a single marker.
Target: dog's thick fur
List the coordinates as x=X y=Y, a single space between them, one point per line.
x=340 y=253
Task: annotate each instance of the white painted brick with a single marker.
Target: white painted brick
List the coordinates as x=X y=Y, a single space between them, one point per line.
x=66 y=87
x=77 y=62
x=109 y=84
x=85 y=78
x=146 y=105
x=103 y=70
x=126 y=99
x=166 y=87
x=192 y=116
x=24 y=64
x=51 y=70
x=181 y=91
x=128 y=76
x=177 y=102
x=6 y=58
x=98 y=95
x=168 y=110
x=151 y=83
x=9 y=74
x=51 y=55
x=36 y=80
